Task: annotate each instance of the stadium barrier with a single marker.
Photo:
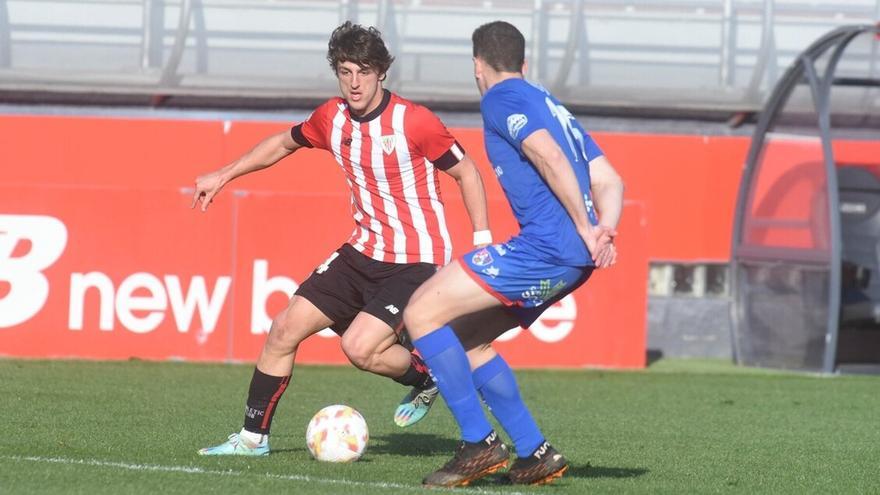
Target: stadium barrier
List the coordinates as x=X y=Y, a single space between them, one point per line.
x=101 y=257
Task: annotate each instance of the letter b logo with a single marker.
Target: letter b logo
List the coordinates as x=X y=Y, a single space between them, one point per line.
x=29 y=288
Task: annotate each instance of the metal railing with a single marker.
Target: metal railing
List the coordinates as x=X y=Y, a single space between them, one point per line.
x=636 y=54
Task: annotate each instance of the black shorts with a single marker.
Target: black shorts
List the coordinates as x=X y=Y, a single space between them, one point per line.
x=350 y=282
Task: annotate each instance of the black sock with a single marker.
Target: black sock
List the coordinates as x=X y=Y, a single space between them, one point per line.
x=417 y=375
x=263 y=396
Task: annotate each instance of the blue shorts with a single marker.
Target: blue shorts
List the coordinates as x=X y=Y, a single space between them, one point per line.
x=516 y=276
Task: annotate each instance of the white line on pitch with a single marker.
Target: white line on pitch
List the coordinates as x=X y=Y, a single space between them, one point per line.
x=198 y=470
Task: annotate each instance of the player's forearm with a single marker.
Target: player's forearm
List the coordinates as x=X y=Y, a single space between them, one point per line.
x=553 y=166
x=470 y=183
x=608 y=199
x=265 y=154
x=561 y=179
x=474 y=196
x=607 y=188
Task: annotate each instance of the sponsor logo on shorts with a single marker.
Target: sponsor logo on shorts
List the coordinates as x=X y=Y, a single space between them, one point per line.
x=482 y=257
x=323 y=267
x=500 y=249
x=392 y=309
x=492 y=271
x=537 y=295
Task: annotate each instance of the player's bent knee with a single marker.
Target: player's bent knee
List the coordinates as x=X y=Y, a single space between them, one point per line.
x=410 y=319
x=417 y=321
x=284 y=335
x=359 y=352
x=280 y=343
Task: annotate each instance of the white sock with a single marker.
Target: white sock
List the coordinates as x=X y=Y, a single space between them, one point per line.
x=254 y=438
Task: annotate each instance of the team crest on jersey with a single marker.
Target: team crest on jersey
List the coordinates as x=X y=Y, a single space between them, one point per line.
x=388 y=143
x=515 y=123
x=482 y=257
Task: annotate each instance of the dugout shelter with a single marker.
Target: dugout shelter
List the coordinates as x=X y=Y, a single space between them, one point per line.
x=805 y=259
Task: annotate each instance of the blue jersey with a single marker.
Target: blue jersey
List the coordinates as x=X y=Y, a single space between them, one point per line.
x=512 y=110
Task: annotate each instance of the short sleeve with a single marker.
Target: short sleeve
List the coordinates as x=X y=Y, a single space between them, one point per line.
x=433 y=139
x=314 y=131
x=591 y=148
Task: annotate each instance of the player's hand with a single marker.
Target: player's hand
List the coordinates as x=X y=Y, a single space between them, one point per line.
x=607 y=254
x=607 y=257
x=207 y=186
x=600 y=242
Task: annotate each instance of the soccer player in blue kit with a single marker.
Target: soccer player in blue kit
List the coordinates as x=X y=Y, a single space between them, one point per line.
x=553 y=174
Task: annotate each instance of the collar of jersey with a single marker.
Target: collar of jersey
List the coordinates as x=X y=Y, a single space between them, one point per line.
x=505 y=83
x=386 y=97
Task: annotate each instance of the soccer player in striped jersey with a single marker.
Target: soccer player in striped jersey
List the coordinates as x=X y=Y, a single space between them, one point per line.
x=390 y=150
x=552 y=172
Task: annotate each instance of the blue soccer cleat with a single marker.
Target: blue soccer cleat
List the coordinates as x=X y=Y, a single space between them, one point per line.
x=236 y=445
x=415 y=406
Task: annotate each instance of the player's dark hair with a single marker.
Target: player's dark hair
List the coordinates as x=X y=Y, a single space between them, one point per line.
x=501 y=45
x=363 y=46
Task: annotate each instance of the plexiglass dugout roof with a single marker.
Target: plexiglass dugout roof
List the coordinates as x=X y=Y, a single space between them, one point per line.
x=821 y=120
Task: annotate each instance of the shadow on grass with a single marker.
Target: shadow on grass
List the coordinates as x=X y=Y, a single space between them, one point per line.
x=293 y=443
x=583 y=471
x=412 y=444
x=286 y=451
x=305 y=452
x=408 y=444
x=590 y=471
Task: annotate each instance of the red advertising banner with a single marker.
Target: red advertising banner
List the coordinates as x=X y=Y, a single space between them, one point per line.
x=101 y=257
x=113 y=273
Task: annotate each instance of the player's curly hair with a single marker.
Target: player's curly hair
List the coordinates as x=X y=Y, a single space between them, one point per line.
x=363 y=46
x=501 y=45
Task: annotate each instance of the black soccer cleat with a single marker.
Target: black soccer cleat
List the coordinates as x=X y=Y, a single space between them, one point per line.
x=540 y=468
x=471 y=462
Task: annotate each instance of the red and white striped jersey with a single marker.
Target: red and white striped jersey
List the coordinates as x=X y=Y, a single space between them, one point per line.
x=390 y=158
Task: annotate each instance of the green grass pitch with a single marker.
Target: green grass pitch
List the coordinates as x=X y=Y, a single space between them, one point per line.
x=678 y=427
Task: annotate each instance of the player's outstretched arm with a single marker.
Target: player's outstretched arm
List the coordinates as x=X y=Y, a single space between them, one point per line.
x=265 y=154
x=550 y=161
x=470 y=182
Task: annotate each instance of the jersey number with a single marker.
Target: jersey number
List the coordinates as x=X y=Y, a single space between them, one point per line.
x=572 y=134
x=576 y=143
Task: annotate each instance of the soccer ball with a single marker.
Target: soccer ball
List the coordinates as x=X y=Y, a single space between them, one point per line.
x=337 y=433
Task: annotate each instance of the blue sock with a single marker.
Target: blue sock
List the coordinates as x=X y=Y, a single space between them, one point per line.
x=449 y=365
x=496 y=383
